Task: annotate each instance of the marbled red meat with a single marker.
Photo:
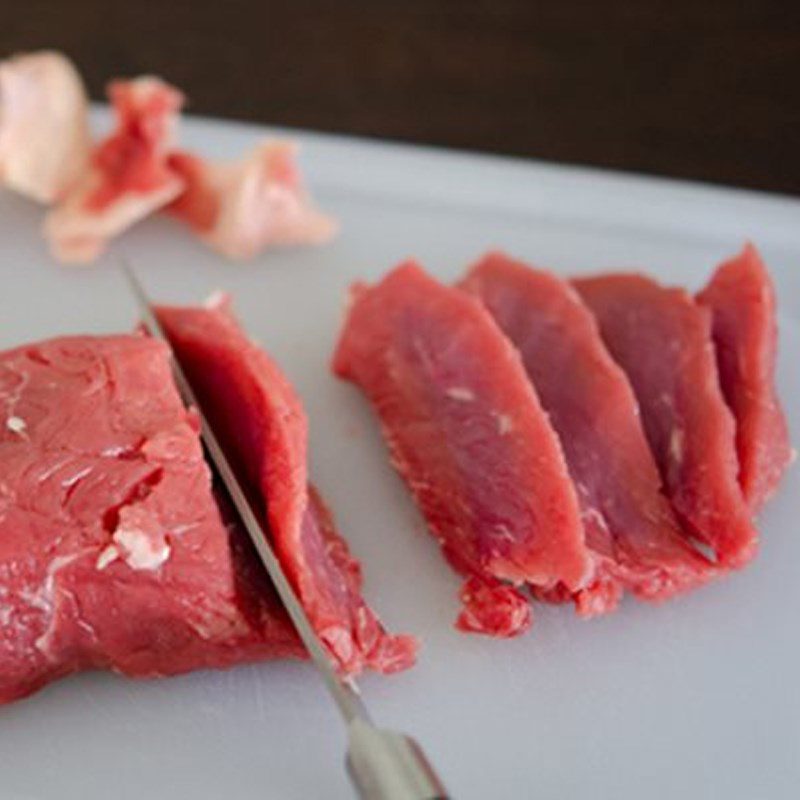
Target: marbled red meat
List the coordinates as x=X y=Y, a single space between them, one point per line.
x=741 y=299
x=662 y=340
x=113 y=553
x=258 y=414
x=467 y=433
x=631 y=529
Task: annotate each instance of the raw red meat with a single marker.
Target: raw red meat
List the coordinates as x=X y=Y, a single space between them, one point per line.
x=493 y=607
x=129 y=177
x=662 y=340
x=44 y=130
x=256 y=411
x=242 y=207
x=630 y=526
x=741 y=299
x=113 y=553
x=467 y=433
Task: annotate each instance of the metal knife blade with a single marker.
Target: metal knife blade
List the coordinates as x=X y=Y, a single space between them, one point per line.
x=384 y=765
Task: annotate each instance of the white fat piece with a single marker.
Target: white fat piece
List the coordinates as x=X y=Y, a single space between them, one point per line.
x=17 y=425
x=107 y=556
x=138 y=550
x=460 y=393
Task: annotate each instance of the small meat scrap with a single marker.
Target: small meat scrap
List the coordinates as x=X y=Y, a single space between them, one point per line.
x=129 y=176
x=467 y=433
x=241 y=208
x=44 y=132
x=636 y=542
x=493 y=607
x=113 y=551
x=257 y=413
x=238 y=208
x=662 y=340
x=741 y=299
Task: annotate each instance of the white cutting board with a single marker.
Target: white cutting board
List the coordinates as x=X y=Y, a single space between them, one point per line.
x=695 y=699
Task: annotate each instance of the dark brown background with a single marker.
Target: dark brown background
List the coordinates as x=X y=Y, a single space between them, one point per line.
x=707 y=90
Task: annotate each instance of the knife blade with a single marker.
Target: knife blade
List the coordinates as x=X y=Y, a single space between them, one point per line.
x=383 y=764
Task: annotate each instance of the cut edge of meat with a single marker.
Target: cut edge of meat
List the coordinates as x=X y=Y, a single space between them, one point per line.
x=251 y=394
x=380 y=651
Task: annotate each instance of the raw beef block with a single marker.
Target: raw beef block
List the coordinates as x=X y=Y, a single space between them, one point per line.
x=662 y=340
x=741 y=299
x=128 y=177
x=630 y=527
x=259 y=417
x=469 y=436
x=113 y=553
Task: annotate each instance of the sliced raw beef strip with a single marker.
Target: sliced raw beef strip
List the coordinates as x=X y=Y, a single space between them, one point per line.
x=662 y=340
x=741 y=299
x=630 y=526
x=243 y=207
x=113 y=553
x=128 y=178
x=44 y=129
x=258 y=414
x=468 y=435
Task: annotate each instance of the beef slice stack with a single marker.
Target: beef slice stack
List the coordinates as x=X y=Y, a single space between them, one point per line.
x=575 y=440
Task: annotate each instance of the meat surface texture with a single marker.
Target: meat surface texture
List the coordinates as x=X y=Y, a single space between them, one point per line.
x=113 y=552
x=468 y=435
x=259 y=417
x=44 y=133
x=741 y=299
x=635 y=539
x=662 y=340
x=129 y=177
x=241 y=208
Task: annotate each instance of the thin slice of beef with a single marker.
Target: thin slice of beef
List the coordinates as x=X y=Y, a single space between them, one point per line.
x=741 y=299
x=261 y=420
x=113 y=553
x=467 y=433
x=662 y=340
x=630 y=527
